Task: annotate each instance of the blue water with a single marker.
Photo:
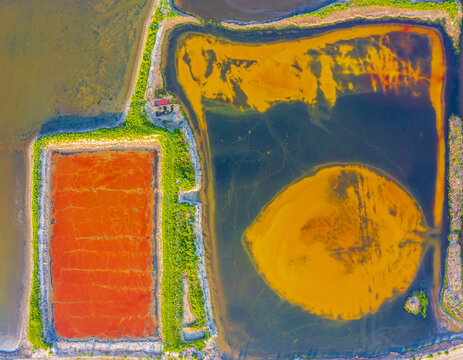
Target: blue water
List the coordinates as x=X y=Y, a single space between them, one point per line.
x=245 y=10
x=255 y=155
x=251 y=168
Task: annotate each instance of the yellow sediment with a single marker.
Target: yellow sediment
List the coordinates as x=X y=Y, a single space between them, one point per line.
x=339 y=243
x=436 y=95
x=258 y=76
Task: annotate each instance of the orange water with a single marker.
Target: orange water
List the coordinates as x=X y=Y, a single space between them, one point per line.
x=101 y=245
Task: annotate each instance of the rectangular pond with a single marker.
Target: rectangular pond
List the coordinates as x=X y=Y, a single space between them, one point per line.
x=270 y=109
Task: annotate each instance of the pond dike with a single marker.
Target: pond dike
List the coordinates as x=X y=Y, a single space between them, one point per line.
x=94 y=346
x=452 y=295
x=172 y=121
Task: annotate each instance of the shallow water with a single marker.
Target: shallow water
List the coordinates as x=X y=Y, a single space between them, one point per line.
x=59 y=58
x=253 y=153
x=339 y=242
x=244 y=182
x=245 y=10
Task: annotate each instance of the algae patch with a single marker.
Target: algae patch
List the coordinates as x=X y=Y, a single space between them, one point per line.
x=385 y=59
x=339 y=243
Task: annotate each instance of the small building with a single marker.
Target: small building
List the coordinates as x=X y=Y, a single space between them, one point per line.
x=161 y=102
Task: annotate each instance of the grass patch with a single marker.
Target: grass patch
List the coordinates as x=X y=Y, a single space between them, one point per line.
x=35 y=328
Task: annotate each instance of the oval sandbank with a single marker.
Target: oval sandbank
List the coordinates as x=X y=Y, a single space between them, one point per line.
x=339 y=243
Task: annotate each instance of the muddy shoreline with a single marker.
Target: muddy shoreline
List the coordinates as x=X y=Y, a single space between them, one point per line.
x=141 y=48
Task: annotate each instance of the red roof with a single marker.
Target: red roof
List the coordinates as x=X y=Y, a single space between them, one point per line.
x=161 y=102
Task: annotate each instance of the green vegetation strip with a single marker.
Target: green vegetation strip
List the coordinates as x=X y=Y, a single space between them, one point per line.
x=179 y=250
x=450 y=6
x=451 y=304
x=35 y=328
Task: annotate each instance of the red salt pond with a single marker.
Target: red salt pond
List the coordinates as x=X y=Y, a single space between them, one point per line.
x=101 y=245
